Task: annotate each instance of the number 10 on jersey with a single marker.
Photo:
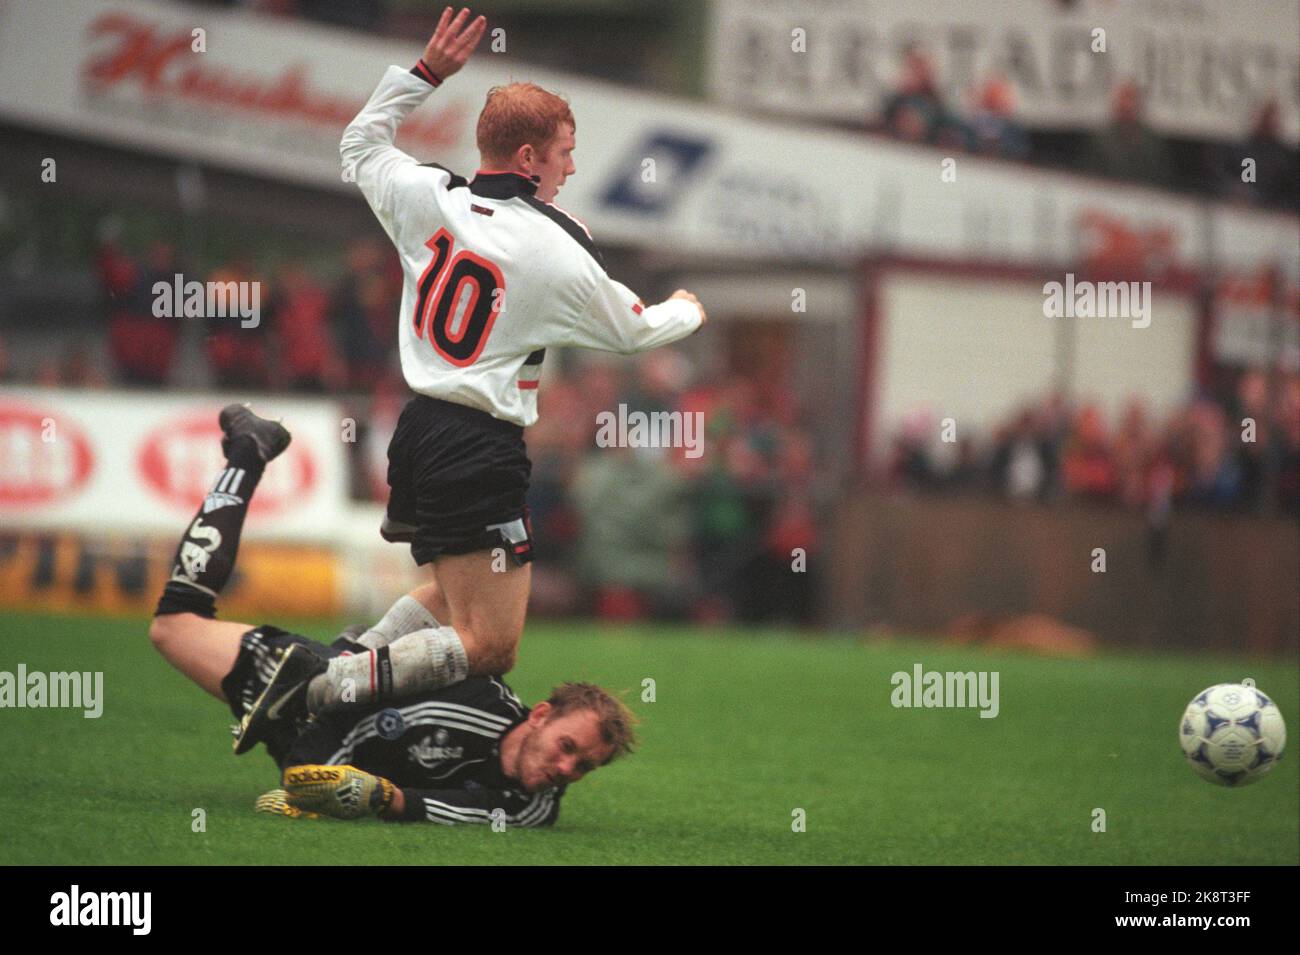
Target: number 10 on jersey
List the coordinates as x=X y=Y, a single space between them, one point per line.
x=440 y=292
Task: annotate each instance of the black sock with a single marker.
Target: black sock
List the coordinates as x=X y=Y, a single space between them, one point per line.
x=206 y=555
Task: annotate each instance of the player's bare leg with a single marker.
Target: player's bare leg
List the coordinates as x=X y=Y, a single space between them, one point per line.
x=204 y=650
x=488 y=605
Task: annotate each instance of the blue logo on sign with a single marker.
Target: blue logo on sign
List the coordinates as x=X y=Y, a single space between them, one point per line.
x=390 y=724
x=649 y=188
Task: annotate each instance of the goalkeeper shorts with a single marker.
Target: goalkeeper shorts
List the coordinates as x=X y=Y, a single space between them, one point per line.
x=260 y=650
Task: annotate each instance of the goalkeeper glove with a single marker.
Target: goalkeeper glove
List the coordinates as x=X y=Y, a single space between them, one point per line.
x=277 y=803
x=343 y=792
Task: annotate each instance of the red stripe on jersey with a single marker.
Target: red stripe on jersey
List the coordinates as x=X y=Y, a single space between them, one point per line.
x=372 y=674
x=636 y=307
x=528 y=384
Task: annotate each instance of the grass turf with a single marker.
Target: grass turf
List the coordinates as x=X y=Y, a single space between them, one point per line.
x=745 y=729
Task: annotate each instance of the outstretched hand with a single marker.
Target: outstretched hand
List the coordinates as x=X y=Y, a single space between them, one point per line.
x=452 y=42
x=683 y=294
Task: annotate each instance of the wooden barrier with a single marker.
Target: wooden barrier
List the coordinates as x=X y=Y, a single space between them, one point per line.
x=1222 y=583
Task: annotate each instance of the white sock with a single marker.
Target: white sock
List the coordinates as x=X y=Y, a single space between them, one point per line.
x=417 y=662
x=405 y=616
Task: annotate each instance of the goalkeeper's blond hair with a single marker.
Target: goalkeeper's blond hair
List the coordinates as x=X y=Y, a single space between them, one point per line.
x=616 y=720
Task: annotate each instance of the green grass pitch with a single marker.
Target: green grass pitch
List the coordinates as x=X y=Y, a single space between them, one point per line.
x=745 y=729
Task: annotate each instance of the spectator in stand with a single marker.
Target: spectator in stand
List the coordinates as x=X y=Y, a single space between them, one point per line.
x=1214 y=478
x=915 y=113
x=142 y=345
x=1127 y=148
x=1277 y=167
x=1133 y=453
x=1251 y=455
x=634 y=533
x=781 y=587
x=237 y=355
x=361 y=312
x=910 y=455
x=1025 y=470
x=1287 y=416
x=993 y=131
x=556 y=443
x=1087 y=469
x=307 y=358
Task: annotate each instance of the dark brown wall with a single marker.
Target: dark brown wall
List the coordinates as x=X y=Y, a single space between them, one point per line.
x=1228 y=584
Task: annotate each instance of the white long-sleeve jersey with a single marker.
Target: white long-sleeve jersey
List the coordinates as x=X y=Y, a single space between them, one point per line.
x=493 y=275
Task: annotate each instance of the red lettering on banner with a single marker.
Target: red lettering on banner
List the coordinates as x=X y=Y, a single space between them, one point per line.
x=163 y=65
x=1115 y=246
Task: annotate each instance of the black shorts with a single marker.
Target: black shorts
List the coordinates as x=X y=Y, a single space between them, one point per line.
x=457 y=479
x=260 y=651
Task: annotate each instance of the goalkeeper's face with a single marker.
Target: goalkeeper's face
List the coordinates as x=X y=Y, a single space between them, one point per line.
x=559 y=750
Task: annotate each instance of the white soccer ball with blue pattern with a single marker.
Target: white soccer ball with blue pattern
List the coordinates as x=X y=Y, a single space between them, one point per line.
x=1232 y=734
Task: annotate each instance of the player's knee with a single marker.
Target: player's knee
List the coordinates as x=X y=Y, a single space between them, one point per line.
x=161 y=631
x=167 y=629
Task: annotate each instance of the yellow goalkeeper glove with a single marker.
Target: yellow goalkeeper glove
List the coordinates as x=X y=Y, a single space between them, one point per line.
x=277 y=803
x=343 y=792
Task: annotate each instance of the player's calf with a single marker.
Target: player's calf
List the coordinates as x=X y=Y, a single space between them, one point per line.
x=184 y=629
x=420 y=661
x=206 y=554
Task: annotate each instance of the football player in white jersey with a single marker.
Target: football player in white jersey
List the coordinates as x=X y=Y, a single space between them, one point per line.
x=494 y=275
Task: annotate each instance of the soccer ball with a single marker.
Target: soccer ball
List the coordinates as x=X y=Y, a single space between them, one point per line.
x=1232 y=734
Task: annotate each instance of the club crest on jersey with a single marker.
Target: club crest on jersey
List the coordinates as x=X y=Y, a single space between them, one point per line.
x=432 y=750
x=389 y=724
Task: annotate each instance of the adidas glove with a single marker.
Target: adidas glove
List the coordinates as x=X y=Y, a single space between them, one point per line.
x=343 y=792
x=276 y=802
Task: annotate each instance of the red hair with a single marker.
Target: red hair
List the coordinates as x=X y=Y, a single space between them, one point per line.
x=515 y=115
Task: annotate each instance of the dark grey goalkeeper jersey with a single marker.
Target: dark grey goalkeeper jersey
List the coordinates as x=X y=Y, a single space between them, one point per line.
x=442 y=749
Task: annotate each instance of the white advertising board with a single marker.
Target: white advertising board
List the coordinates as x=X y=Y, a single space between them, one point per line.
x=141 y=464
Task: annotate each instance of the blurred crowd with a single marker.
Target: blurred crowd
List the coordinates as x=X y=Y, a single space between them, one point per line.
x=629 y=532
x=985 y=123
x=309 y=336
x=1239 y=454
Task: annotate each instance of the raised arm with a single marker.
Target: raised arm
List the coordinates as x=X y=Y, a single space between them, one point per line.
x=385 y=174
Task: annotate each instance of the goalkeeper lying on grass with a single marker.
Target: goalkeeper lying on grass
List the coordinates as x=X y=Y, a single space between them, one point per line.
x=468 y=752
